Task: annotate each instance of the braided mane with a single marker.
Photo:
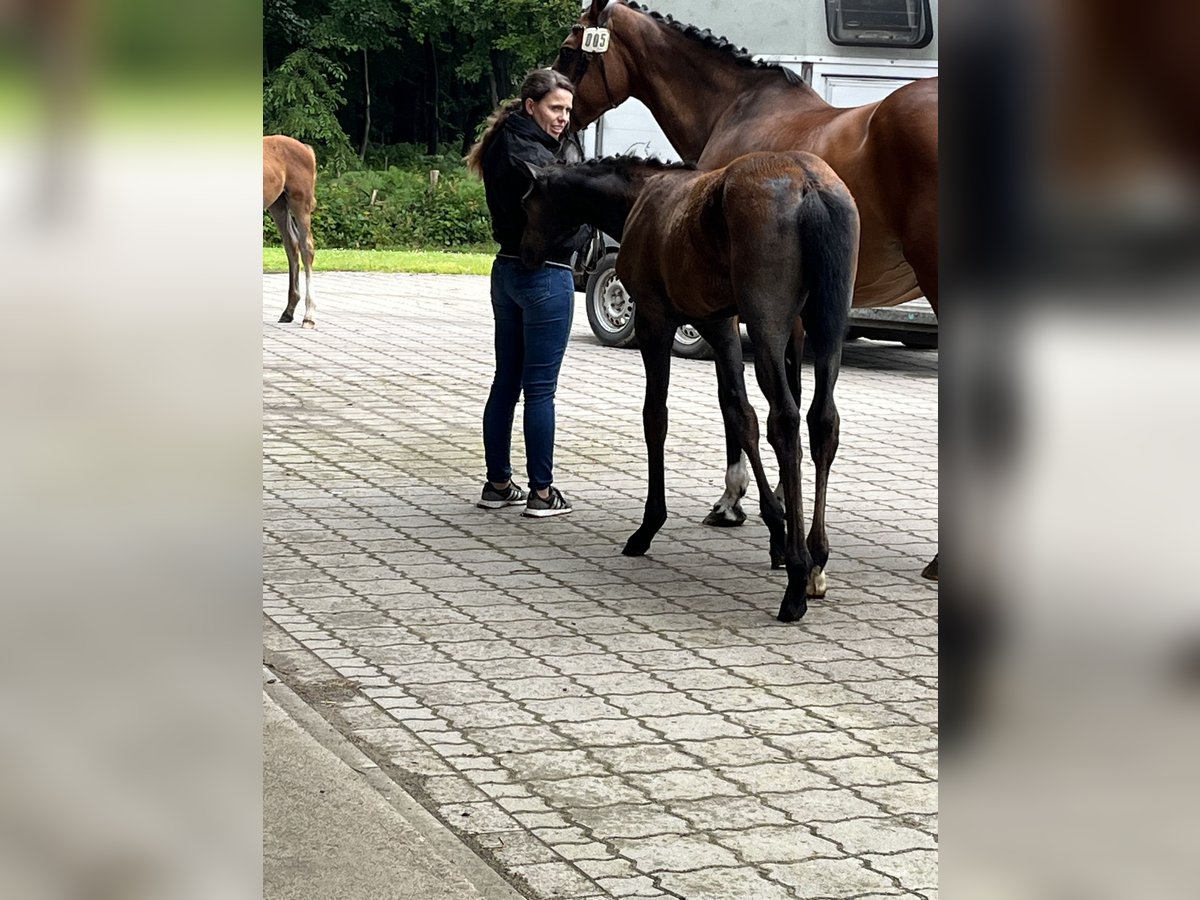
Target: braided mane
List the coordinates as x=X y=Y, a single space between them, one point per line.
x=740 y=55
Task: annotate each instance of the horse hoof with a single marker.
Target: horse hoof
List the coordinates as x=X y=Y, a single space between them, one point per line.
x=931 y=570
x=308 y=323
x=817 y=583
x=635 y=546
x=725 y=517
x=792 y=612
x=284 y=319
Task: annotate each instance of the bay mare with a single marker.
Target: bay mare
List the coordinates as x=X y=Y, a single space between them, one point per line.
x=714 y=103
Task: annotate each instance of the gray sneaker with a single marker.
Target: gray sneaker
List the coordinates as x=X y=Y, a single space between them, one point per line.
x=497 y=499
x=554 y=505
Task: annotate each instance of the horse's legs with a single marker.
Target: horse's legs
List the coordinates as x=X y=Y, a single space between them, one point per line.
x=783 y=431
x=920 y=245
x=793 y=362
x=727 y=512
x=741 y=423
x=279 y=213
x=654 y=340
x=823 y=431
x=303 y=224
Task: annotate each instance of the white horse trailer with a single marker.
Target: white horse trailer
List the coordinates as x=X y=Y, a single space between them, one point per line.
x=851 y=52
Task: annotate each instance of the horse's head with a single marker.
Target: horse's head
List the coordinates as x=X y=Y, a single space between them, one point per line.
x=550 y=219
x=595 y=60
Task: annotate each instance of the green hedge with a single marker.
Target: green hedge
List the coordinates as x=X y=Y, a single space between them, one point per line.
x=397 y=208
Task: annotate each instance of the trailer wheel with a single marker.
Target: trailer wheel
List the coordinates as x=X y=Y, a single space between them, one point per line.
x=609 y=306
x=690 y=345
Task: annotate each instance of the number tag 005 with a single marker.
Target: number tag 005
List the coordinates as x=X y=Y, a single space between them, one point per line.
x=595 y=40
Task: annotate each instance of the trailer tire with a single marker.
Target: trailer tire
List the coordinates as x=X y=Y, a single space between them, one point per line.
x=610 y=310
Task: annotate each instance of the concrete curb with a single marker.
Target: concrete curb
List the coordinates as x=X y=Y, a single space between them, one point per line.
x=398 y=837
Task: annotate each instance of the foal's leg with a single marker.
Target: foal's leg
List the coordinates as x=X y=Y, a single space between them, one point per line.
x=727 y=512
x=303 y=224
x=654 y=341
x=793 y=362
x=279 y=213
x=783 y=431
x=823 y=431
x=741 y=424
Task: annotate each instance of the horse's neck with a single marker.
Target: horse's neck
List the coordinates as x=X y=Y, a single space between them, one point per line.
x=605 y=201
x=690 y=88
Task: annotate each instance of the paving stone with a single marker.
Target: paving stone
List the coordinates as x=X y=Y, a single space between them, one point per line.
x=675 y=853
x=556 y=879
x=724 y=884
x=775 y=776
x=906 y=799
x=822 y=877
x=638 y=886
x=727 y=812
x=916 y=868
x=684 y=785
x=643 y=758
x=611 y=822
x=545 y=764
x=865 y=770
x=786 y=843
x=743 y=751
x=588 y=790
x=861 y=836
x=832 y=805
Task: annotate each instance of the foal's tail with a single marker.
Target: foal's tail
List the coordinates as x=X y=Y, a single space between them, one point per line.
x=828 y=221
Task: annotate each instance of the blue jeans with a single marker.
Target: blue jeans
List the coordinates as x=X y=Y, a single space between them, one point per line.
x=533 y=310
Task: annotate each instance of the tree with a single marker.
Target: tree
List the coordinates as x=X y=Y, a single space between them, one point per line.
x=301 y=98
x=359 y=26
x=400 y=71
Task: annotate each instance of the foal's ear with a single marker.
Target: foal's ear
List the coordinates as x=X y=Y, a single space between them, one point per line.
x=534 y=171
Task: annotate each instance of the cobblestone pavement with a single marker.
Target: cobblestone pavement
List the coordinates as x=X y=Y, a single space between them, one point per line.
x=595 y=725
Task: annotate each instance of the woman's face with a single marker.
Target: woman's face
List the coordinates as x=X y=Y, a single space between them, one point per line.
x=552 y=112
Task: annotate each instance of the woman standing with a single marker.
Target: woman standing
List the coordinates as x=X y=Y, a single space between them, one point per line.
x=532 y=307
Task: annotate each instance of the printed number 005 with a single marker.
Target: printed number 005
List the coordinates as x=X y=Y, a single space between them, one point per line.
x=595 y=40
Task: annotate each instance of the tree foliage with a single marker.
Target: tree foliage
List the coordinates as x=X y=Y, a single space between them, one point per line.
x=399 y=71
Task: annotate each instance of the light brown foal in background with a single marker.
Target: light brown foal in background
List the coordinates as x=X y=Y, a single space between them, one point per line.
x=289 y=192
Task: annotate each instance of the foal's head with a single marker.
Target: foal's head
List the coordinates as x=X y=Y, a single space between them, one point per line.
x=552 y=216
x=597 y=192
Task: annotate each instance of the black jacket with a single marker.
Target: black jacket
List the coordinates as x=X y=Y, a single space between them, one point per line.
x=505 y=180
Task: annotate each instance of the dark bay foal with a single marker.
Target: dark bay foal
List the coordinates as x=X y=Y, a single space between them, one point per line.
x=771 y=238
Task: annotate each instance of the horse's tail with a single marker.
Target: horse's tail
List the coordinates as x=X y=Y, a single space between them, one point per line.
x=828 y=224
x=474 y=157
x=294 y=229
x=312 y=167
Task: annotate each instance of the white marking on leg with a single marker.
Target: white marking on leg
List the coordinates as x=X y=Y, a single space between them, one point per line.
x=310 y=304
x=817 y=582
x=737 y=479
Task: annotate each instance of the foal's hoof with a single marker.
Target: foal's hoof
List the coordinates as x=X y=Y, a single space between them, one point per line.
x=817 y=583
x=285 y=318
x=931 y=570
x=725 y=516
x=636 y=545
x=308 y=323
x=792 y=610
